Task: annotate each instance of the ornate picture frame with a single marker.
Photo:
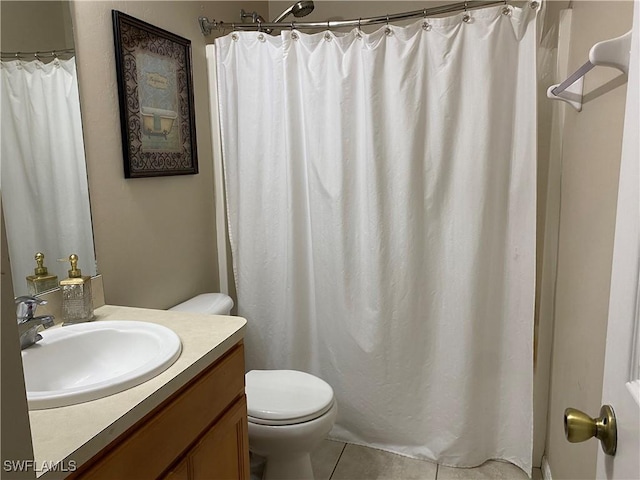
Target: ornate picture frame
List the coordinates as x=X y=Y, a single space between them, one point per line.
x=155 y=90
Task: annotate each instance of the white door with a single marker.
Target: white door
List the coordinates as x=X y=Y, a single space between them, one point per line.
x=621 y=383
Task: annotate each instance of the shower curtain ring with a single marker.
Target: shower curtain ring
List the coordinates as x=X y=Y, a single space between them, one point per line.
x=387 y=29
x=425 y=25
x=466 y=18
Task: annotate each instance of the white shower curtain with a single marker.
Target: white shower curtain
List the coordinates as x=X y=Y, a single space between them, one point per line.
x=44 y=177
x=381 y=208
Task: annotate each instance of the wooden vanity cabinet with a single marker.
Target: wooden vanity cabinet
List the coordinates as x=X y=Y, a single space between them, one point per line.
x=220 y=454
x=198 y=433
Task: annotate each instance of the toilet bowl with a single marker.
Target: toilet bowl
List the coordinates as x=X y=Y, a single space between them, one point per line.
x=289 y=412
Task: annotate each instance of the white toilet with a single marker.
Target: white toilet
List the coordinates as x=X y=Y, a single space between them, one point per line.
x=290 y=412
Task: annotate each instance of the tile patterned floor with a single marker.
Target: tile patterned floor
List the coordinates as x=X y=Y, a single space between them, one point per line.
x=340 y=461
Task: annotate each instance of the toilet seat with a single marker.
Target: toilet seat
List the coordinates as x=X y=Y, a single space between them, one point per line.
x=286 y=397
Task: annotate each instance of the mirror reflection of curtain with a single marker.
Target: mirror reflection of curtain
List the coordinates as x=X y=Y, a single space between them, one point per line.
x=44 y=177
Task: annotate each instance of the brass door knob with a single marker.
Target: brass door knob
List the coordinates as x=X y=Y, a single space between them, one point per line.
x=578 y=427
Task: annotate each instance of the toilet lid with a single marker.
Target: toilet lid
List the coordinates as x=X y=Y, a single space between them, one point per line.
x=286 y=396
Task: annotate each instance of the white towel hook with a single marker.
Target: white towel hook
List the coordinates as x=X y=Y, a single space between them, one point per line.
x=612 y=53
x=608 y=53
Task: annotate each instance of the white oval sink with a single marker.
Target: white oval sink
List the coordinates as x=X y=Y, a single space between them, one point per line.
x=83 y=362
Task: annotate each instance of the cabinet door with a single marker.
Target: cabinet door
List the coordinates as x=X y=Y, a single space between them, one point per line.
x=180 y=472
x=223 y=452
x=155 y=442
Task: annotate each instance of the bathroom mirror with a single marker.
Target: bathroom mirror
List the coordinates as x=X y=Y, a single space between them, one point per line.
x=45 y=198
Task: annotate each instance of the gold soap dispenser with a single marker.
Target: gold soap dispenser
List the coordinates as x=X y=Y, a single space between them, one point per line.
x=41 y=280
x=77 y=304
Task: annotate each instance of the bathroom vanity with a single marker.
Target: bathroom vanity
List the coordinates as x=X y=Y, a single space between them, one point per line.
x=190 y=421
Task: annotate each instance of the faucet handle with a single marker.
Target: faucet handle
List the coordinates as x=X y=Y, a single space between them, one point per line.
x=26 y=307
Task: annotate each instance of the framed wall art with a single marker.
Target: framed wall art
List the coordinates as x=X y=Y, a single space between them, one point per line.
x=155 y=90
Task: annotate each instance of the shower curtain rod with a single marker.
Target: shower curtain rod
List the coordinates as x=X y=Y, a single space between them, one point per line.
x=207 y=26
x=38 y=54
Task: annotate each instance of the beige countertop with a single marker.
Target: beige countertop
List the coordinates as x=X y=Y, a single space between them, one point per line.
x=71 y=435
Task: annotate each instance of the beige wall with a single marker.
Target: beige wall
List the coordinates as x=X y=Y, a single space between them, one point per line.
x=35 y=26
x=155 y=237
x=591 y=157
x=346 y=10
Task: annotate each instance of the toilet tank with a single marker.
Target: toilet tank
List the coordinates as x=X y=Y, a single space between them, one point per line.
x=209 y=303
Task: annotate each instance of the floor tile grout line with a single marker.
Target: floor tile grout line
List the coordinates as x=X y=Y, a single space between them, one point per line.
x=338 y=461
x=437 y=465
